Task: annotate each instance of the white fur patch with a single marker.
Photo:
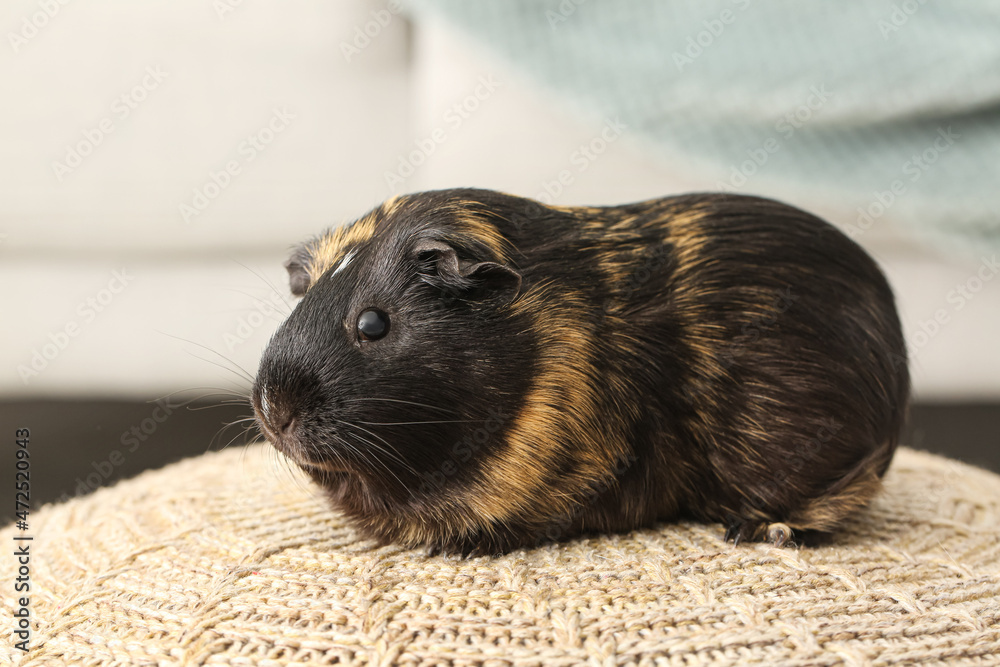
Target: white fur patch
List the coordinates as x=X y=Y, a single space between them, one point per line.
x=265 y=405
x=344 y=262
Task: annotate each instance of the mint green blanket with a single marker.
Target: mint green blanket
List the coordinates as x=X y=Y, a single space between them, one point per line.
x=892 y=108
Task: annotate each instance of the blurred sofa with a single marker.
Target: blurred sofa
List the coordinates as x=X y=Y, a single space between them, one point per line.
x=160 y=159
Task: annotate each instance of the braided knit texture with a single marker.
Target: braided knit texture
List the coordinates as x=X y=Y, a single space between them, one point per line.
x=234 y=559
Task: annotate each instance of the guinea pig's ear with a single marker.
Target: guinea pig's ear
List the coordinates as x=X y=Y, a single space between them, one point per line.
x=298 y=275
x=442 y=267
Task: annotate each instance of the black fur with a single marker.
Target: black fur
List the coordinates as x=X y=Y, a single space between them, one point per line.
x=741 y=360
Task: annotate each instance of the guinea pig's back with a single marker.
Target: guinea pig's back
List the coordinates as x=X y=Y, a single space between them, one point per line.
x=793 y=376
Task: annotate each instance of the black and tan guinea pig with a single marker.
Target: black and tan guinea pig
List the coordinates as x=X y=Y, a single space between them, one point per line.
x=475 y=372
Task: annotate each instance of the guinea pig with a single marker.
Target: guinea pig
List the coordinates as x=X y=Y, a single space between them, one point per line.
x=474 y=372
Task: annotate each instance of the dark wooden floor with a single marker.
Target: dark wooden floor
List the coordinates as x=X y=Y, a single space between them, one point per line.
x=77 y=446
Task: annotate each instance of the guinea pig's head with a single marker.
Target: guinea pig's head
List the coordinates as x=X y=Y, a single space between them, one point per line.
x=405 y=345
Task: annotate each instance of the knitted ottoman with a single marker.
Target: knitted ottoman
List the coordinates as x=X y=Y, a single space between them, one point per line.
x=234 y=559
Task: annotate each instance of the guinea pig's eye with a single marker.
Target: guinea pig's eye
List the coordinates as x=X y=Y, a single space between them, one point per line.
x=372 y=324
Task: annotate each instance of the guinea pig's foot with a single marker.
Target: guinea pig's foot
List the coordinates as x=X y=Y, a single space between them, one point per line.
x=778 y=534
x=754 y=530
x=743 y=530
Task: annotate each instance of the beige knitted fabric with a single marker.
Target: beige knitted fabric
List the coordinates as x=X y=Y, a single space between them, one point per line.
x=233 y=559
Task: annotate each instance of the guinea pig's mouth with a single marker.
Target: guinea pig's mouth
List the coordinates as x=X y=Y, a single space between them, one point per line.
x=296 y=453
x=281 y=426
x=325 y=466
x=290 y=447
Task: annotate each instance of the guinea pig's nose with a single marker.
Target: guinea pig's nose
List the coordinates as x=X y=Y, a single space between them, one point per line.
x=286 y=425
x=277 y=418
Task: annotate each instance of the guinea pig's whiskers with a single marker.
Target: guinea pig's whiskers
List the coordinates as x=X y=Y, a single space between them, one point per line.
x=218 y=404
x=229 y=397
x=360 y=454
x=232 y=397
x=209 y=392
x=388 y=449
x=447 y=421
x=294 y=473
x=398 y=400
x=243 y=432
x=249 y=421
x=271 y=309
x=233 y=367
x=337 y=454
x=242 y=374
x=267 y=282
